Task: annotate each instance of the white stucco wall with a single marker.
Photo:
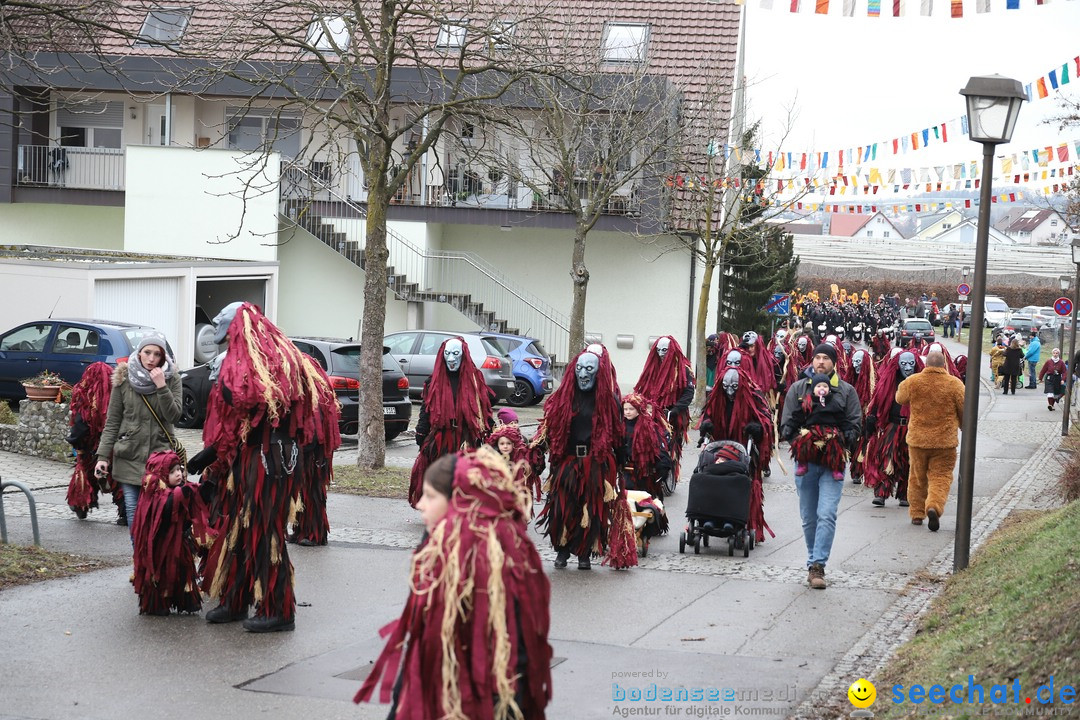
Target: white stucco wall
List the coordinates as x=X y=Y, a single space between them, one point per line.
x=321 y=293
x=190 y=202
x=42 y=289
x=82 y=226
x=631 y=290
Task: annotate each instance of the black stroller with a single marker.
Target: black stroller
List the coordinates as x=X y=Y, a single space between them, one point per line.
x=718 y=502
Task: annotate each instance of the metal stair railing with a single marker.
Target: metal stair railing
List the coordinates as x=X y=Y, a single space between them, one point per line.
x=463 y=280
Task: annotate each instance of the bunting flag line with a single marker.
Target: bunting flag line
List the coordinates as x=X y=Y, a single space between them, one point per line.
x=926 y=7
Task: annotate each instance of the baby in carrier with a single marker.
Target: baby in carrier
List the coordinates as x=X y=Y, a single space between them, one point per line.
x=820 y=441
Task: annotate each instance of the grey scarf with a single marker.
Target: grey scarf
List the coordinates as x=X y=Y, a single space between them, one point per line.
x=139 y=376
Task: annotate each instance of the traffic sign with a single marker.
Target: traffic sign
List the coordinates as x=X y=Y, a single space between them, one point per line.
x=1063 y=306
x=963 y=289
x=779 y=304
x=962 y=298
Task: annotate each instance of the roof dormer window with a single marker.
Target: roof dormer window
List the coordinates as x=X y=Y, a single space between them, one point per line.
x=452 y=34
x=625 y=43
x=329 y=33
x=163 y=26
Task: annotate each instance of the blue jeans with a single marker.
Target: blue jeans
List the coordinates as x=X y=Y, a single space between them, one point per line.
x=1032 y=373
x=819 y=497
x=131 y=500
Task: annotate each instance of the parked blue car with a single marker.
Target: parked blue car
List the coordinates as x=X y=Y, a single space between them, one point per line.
x=532 y=367
x=63 y=346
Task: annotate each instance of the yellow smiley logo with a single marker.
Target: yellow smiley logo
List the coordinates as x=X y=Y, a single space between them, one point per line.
x=862 y=693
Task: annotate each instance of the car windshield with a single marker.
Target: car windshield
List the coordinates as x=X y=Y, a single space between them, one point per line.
x=996 y=306
x=537 y=348
x=919 y=325
x=494 y=347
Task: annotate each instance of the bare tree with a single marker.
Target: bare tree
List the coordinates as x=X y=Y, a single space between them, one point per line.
x=593 y=143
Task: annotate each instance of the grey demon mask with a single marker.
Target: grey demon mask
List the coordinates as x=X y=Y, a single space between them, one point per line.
x=857 y=361
x=749 y=337
x=731 y=383
x=802 y=343
x=222 y=321
x=778 y=353
x=907 y=364
x=452 y=354
x=733 y=359
x=781 y=335
x=662 y=346
x=588 y=365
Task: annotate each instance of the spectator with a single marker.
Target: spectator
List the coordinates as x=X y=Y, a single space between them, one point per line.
x=1053 y=377
x=950 y=321
x=818 y=490
x=997 y=359
x=936 y=399
x=1034 y=348
x=1010 y=369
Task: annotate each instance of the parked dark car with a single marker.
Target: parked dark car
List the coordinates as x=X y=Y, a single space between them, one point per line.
x=532 y=368
x=913 y=328
x=416 y=352
x=341 y=361
x=63 y=346
x=1016 y=324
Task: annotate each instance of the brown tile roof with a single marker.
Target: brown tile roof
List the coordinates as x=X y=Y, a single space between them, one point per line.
x=1029 y=220
x=844 y=225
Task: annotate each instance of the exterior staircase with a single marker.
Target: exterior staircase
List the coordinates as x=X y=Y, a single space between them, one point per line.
x=463 y=280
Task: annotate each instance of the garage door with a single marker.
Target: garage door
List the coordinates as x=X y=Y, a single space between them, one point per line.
x=142 y=301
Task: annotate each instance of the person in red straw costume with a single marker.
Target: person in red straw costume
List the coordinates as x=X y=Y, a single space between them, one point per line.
x=267 y=404
x=862 y=365
x=472 y=641
x=586 y=512
x=737 y=410
x=643 y=459
x=668 y=382
x=887 y=458
x=89 y=409
x=170 y=524
x=510 y=443
x=311 y=526
x=455 y=411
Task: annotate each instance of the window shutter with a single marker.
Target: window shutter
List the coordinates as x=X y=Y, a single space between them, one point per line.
x=91 y=115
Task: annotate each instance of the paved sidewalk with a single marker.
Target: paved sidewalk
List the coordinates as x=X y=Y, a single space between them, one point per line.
x=678 y=620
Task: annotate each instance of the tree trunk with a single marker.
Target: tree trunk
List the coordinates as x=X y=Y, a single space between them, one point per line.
x=699 y=332
x=372 y=440
x=580 y=276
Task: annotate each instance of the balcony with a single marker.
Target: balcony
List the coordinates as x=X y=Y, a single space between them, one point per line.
x=76 y=168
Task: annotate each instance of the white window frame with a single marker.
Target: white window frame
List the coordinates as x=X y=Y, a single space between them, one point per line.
x=452 y=34
x=502 y=34
x=159 y=37
x=619 y=44
x=339 y=37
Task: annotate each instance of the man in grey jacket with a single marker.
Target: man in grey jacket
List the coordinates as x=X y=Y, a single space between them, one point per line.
x=819 y=491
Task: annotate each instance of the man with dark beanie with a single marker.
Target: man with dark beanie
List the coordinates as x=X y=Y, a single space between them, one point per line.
x=819 y=491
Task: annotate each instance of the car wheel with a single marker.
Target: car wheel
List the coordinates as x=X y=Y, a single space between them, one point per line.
x=523 y=394
x=190 y=412
x=390 y=434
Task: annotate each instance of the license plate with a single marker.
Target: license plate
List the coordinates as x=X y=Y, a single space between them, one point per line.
x=389 y=411
x=509 y=384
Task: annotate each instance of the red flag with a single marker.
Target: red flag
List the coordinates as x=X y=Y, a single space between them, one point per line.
x=957 y=8
x=993 y=198
x=779 y=186
x=798 y=205
x=944 y=133
x=1063 y=152
x=832 y=190
x=896 y=8
x=794 y=5
x=918 y=207
x=873 y=208
x=841 y=158
x=802 y=163
x=977 y=184
x=895 y=143
x=1016 y=178
x=1012 y=197
x=967 y=203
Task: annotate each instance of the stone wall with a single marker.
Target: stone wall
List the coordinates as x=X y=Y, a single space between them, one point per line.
x=42 y=431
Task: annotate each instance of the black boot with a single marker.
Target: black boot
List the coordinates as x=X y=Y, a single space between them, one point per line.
x=583 y=562
x=222 y=614
x=269 y=624
x=561 y=558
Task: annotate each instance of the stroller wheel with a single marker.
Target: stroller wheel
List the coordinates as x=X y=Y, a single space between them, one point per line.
x=731 y=546
x=669 y=483
x=746 y=543
x=682 y=543
x=752 y=541
x=697 y=544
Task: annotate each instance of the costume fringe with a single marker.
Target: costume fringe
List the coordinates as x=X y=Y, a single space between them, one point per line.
x=575 y=516
x=622 y=547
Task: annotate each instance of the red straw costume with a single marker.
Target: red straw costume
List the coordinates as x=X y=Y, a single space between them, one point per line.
x=170 y=523
x=865 y=382
x=89 y=409
x=668 y=383
x=471 y=643
x=887 y=462
x=582 y=430
x=518 y=459
x=455 y=413
x=730 y=418
x=267 y=406
x=645 y=459
x=311 y=525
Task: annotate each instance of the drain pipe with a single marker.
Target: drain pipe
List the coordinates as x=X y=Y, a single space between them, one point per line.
x=690 y=299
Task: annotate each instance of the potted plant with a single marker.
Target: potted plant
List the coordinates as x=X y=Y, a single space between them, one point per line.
x=46 y=386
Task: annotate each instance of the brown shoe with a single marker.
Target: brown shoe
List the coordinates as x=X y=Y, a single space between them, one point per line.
x=916 y=521
x=816 y=576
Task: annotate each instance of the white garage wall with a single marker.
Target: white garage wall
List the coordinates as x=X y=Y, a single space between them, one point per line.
x=34 y=291
x=143 y=301
x=632 y=290
x=183 y=201
x=321 y=293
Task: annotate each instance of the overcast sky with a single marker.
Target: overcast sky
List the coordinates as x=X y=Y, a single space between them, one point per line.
x=856 y=80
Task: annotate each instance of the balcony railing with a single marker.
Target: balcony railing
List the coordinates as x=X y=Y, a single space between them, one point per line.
x=472 y=189
x=71 y=167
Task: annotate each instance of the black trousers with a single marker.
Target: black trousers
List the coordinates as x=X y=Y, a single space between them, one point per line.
x=1008 y=382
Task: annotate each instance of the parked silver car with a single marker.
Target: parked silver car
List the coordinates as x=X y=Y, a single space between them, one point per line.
x=416 y=352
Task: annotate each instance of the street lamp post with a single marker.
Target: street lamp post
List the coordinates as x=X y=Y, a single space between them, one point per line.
x=1072 y=341
x=1066 y=284
x=993 y=104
